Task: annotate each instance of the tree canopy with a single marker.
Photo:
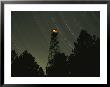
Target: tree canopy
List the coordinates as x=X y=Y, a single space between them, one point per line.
x=25 y=65
x=85 y=59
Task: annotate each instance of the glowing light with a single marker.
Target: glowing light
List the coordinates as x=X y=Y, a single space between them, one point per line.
x=55 y=30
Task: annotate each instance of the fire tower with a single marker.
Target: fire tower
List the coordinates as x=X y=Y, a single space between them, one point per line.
x=53 y=49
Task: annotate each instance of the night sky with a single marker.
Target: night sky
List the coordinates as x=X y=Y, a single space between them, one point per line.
x=31 y=30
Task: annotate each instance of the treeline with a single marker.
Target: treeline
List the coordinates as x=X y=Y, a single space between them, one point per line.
x=84 y=60
x=24 y=65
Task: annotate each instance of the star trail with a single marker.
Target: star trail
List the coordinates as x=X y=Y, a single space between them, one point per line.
x=31 y=30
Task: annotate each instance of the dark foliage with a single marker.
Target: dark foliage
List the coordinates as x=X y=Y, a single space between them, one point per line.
x=14 y=55
x=59 y=66
x=25 y=65
x=85 y=59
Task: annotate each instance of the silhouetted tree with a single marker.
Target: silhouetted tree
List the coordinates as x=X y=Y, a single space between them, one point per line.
x=41 y=72
x=85 y=59
x=25 y=66
x=14 y=55
x=59 y=66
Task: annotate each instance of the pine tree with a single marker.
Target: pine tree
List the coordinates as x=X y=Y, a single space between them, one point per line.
x=85 y=60
x=25 y=65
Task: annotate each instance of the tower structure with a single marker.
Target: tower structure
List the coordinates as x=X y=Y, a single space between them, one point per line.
x=53 y=49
